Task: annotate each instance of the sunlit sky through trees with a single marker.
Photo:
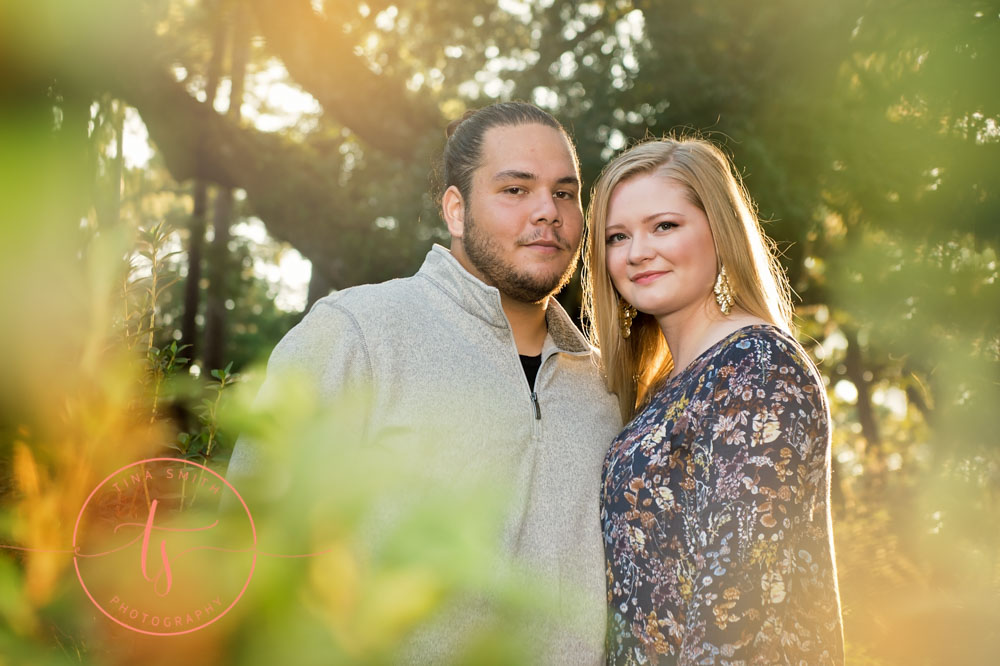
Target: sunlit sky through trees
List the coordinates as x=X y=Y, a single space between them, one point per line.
x=274 y=103
x=285 y=105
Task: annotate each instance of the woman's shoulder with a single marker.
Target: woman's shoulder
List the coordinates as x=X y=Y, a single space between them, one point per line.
x=755 y=337
x=764 y=350
x=753 y=352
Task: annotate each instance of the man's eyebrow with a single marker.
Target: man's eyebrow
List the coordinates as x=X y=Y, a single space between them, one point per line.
x=513 y=174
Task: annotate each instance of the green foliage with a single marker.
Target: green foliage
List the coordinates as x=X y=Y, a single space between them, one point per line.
x=867 y=133
x=363 y=597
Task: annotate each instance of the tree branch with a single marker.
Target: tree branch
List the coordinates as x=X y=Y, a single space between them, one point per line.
x=320 y=56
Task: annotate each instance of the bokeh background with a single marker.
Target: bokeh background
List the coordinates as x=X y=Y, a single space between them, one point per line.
x=180 y=179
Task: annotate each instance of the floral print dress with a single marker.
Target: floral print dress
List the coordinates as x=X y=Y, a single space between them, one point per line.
x=716 y=517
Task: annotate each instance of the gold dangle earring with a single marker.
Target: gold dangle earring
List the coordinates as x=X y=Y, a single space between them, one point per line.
x=628 y=313
x=723 y=292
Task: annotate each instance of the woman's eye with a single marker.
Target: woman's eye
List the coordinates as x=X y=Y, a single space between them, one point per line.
x=614 y=238
x=665 y=226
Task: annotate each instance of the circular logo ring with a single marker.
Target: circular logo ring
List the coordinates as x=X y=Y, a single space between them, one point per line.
x=76 y=536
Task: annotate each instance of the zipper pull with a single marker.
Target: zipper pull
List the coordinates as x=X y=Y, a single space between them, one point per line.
x=534 y=403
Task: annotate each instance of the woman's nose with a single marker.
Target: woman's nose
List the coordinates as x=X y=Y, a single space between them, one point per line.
x=639 y=249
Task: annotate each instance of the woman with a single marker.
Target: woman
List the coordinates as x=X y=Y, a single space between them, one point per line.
x=715 y=496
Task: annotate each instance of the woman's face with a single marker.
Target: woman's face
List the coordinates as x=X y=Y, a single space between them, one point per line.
x=660 y=254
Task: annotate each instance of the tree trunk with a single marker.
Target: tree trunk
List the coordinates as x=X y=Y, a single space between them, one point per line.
x=196 y=227
x=866 y=413
x=319 y=286
x=220 y=264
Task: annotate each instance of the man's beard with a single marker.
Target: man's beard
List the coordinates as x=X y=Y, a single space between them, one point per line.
x=507 y=278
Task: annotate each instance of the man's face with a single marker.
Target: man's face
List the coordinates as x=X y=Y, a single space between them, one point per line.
x=523 y=219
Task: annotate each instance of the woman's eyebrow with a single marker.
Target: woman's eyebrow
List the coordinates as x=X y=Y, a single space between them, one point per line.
x=649 y=218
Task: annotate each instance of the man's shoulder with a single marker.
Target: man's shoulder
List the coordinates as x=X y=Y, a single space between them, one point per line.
x=348 y=320
x=365 y=301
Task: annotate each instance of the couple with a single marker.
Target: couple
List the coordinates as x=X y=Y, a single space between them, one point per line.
x=702 y=535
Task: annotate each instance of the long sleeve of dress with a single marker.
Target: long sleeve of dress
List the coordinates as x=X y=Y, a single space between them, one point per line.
x=762 y=553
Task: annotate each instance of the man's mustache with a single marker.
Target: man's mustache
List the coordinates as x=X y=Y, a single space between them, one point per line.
x=554 y=237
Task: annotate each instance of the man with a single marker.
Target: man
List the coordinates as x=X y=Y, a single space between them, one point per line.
x=474 y=355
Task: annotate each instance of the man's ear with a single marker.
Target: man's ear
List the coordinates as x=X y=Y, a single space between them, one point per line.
x=453 y=209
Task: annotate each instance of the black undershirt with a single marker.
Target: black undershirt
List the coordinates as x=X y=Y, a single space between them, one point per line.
x=531 y=365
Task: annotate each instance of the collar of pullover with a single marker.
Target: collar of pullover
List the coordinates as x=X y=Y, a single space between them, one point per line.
x=483 y=301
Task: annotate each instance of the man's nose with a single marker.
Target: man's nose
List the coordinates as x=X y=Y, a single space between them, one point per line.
x=546 y=210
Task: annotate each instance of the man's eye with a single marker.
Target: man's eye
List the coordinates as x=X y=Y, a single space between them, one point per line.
x=565 y=195
x=514 y=190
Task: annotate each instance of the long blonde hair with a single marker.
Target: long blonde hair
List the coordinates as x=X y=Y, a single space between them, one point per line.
x=633 y=367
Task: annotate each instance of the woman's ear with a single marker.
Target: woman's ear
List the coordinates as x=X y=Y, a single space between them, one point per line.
x=453 y=209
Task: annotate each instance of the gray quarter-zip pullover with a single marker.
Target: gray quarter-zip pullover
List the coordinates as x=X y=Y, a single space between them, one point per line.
x=437 y=355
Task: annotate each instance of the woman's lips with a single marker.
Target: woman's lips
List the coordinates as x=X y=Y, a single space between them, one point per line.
x=648 y=276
